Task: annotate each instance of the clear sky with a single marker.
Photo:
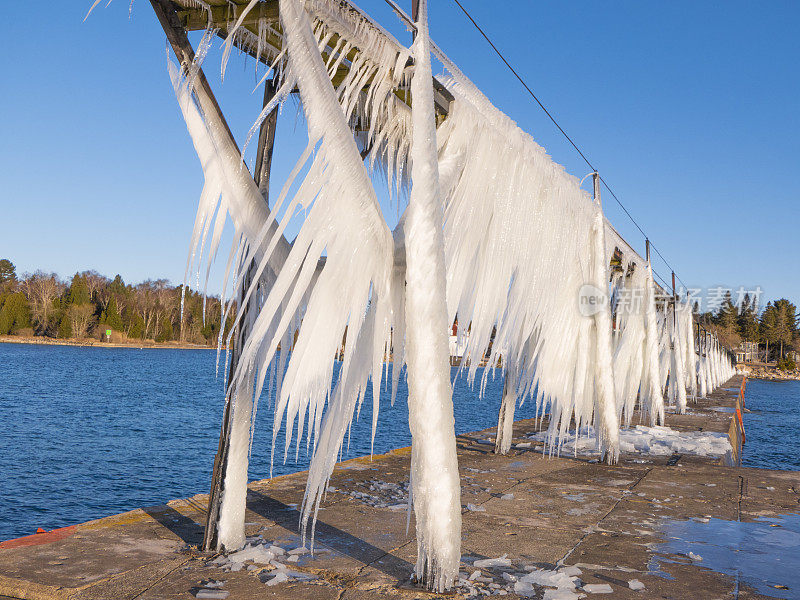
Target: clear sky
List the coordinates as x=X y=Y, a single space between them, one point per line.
x=688 y=109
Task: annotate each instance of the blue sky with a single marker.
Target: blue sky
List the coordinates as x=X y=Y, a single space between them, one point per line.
x=688 y=109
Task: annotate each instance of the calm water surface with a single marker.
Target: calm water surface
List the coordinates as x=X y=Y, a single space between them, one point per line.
x=90 y=432
x=773 y=425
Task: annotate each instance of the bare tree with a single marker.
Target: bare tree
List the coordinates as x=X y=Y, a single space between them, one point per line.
x=80 y=317
x=147 y=304
x=96 y=282
x=41 y=289
x=167 y=302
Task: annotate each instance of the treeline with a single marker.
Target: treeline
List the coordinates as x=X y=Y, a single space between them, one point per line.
x=90 y=305
x=776 y=328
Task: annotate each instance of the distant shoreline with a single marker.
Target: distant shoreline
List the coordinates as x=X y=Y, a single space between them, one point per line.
x=764 y=372
x=93 y=343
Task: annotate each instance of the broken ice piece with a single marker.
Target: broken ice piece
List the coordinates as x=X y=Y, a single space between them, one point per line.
x=212 y=594
x=214 y=584
x=293 y=558
x=635 y=584
x=523 y=445
x=475 y=507
x=524 y=588
x=257 y=553
x=571 y=571
x=486 y=563
x=597 y=588
x=561 y=594
x=694 y=556
x=280 y=577
x=507 y=497
x=300 y=550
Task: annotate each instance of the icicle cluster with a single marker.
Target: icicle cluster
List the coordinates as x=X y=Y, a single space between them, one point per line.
x=519 y=241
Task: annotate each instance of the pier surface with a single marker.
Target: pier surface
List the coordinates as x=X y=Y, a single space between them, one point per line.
x=611 y=522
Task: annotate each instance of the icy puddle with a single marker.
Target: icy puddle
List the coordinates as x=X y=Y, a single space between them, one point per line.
x=764 y=554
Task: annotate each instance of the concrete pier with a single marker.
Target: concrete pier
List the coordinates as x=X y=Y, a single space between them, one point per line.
x=610 y=522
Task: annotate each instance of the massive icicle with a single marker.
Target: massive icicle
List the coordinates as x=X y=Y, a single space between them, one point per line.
x=677 y=377
x=606 y=423
x=434 y=465
x=652 y=378
x=508 y=207
x=230 y=190
x=343 y=220
x=505 y=418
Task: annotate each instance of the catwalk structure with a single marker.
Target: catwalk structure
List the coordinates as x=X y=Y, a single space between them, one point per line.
x=494 y=233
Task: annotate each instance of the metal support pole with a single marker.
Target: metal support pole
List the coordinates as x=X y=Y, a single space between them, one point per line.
x=674 y=305
x=596 y=182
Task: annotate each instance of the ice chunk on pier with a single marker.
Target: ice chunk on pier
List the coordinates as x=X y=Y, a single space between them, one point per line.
x=212 y=594
x=598 y=588
x=487 y=563
x=635 y=584
x=257 y=553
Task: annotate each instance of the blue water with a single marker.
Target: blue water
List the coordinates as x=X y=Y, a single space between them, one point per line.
x=90 y=432
x=773 y=425
x=764 y=554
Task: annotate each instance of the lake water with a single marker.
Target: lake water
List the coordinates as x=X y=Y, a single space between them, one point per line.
x=772 y=426
x=89 y=432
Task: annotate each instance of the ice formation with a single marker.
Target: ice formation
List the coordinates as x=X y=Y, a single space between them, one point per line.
x=434 y=465
x=496 y=234
x=656 y=441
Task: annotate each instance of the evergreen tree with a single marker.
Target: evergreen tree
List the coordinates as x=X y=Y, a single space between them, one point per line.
x=117 y=286
x=8 y=273
x=728 y=316
x=112 y=317
x=78 y=291
x=748 y=320
x=767 y=327
x=136 y=325
x=785 y=323
x=65 y=327
x=166 y=333
x=15 y=314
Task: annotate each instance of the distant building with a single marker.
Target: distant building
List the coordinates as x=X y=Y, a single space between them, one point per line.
x=746 y=352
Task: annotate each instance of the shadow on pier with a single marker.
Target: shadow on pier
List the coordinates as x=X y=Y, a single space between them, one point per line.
x=330 y=536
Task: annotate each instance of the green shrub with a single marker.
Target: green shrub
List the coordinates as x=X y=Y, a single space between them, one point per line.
x=786 y=364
